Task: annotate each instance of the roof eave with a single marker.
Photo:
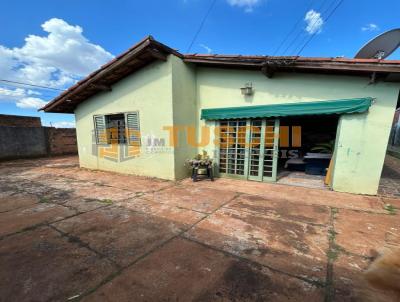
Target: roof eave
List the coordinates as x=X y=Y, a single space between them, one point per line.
x=149 y=50
x=152 y=49
x=295 y=63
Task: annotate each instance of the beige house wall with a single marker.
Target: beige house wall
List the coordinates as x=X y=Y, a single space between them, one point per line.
x=148 y=91
x=362 y=138
x=173 y=93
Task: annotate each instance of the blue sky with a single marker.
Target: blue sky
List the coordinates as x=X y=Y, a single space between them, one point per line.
x=54 y=43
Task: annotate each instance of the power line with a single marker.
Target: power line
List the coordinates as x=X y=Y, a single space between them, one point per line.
x=293 y=29
x=327 y=18
x=31 y=85
x=301 y=32
x=201 y=24
x=49 y=93
x=312 y=24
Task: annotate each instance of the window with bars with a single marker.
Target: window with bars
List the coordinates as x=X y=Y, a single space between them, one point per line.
x=118 y=128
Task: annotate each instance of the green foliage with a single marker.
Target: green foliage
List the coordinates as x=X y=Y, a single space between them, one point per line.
x=106 y=201
x=44 y=200
x=332 y=254
x=390 y=208
x=324 y=147
x=332 y=234
x=334 y=249
x=203 y=156
x=200 y=160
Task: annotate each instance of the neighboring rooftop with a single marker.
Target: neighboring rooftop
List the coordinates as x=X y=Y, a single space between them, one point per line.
x=149 y=50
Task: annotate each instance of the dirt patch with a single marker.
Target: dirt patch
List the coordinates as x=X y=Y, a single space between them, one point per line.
x=85 y=204
x=350 y=284
x=120 y=234
x=285 y=210
x=186 y=271
x=359 y=232
x=180 y=216
x=28 y=217
x=300 y=195
x=244 y=282
x=40 y=265
x=193 y=198
x=282 y=245
x=16 y=201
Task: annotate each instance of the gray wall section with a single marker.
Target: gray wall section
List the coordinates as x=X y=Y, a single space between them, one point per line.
x=26 y=142
x=395 y=138
x=19 y=142
x=395 y=133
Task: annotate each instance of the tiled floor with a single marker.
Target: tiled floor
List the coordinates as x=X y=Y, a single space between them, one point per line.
x=301 y=179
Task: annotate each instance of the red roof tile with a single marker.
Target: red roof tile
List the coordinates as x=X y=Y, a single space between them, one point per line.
x=148 y=50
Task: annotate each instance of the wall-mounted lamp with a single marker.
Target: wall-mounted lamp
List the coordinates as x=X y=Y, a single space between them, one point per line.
x=247 y=89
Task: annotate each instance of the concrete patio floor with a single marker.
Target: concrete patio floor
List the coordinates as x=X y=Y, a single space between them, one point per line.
x=72 y=234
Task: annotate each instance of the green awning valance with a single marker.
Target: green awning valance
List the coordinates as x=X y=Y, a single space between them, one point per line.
x=289 y=109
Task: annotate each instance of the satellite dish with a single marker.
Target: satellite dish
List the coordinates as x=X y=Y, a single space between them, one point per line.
x=381 y=46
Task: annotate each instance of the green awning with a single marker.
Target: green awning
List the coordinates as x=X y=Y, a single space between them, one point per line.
x=289 y=109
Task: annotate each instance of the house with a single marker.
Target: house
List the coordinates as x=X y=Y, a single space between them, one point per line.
x=151 y=108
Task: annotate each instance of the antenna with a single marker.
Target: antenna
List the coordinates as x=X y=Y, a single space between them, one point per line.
x=381 y=46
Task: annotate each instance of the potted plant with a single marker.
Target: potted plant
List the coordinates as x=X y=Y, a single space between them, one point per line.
x=201 y=164
x=326 y=148
x=318 y=162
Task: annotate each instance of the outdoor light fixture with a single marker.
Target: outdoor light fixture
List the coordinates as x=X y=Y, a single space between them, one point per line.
x=68 y=101
x=247 y=89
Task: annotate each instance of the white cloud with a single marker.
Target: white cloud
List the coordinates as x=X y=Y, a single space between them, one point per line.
x=370 y=27
x=61 y=56
x=29 y=91
x=12 y=94
x=30 y=103
x=23 y=98
x=208 y=49
x=248 y=5
x=314 y=22
x=64 y=124
x=57 y=60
